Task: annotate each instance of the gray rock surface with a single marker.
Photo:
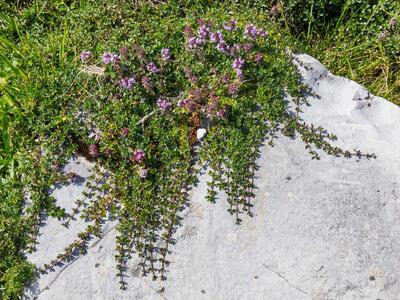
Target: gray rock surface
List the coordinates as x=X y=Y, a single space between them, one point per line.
x=325 y=229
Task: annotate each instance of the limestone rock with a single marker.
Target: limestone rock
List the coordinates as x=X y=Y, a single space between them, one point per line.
x=327 y=229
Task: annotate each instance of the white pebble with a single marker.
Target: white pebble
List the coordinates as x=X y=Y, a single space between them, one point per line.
x=201 y=133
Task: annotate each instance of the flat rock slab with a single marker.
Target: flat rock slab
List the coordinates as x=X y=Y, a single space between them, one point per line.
x=327 y=229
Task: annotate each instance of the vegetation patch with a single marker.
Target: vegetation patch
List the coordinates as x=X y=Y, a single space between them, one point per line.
x=151 y=93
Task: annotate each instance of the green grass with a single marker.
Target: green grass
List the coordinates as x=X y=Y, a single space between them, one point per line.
x=365 y=63
x=41 y=85
x=350 y=47
x=24 y=74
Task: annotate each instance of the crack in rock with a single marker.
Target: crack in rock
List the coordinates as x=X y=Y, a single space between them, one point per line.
x=284 y=278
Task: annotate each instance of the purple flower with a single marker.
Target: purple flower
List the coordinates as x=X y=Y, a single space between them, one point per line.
x=181 y=103
x=383 y=35
x=239 y=73
x=124 y=131
x=262 y=33
x=146 y=83
x=138 y=156
x=152 y=67
x=163 y=104
x=203 y=31
x=223 y=47
x=251 y=31
x=192 y=42
x=238 y=63
x=258 y=58
x=143 y=173
x=165 y=54
x=225 y=78
x=200 y=41
x=85 y=56
x=230 y=25
x=93 y=151
x=189 y=74
x=233 y=89
x=193 y=78
x=234 y=49
x=247 y=47
x=187 y=103
x=127 y=83
x=216 y=37
x=95 y=133
x=195 y=42
x=110 y=58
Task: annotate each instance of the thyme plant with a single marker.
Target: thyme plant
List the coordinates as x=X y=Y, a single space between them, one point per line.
x=140 y=122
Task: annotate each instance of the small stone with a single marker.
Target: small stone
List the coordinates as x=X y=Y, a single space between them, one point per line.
x=201 y=133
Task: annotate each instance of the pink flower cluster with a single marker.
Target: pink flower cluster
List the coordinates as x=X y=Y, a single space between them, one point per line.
x=138 y=156
x=233 y=88
x=204 y=32
x=165 y=54
x=127 y=83
x=93 y=151
x=163 y=104
x=237 y=65
x=213 y=108
x=124 y=131
x=110 y=58
x=146 y=83
x=85 y=56
x=230 y=25
x=187 y=104
x=216 y=37
x=251 y=31
x=152 y=67
x=195 y=42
